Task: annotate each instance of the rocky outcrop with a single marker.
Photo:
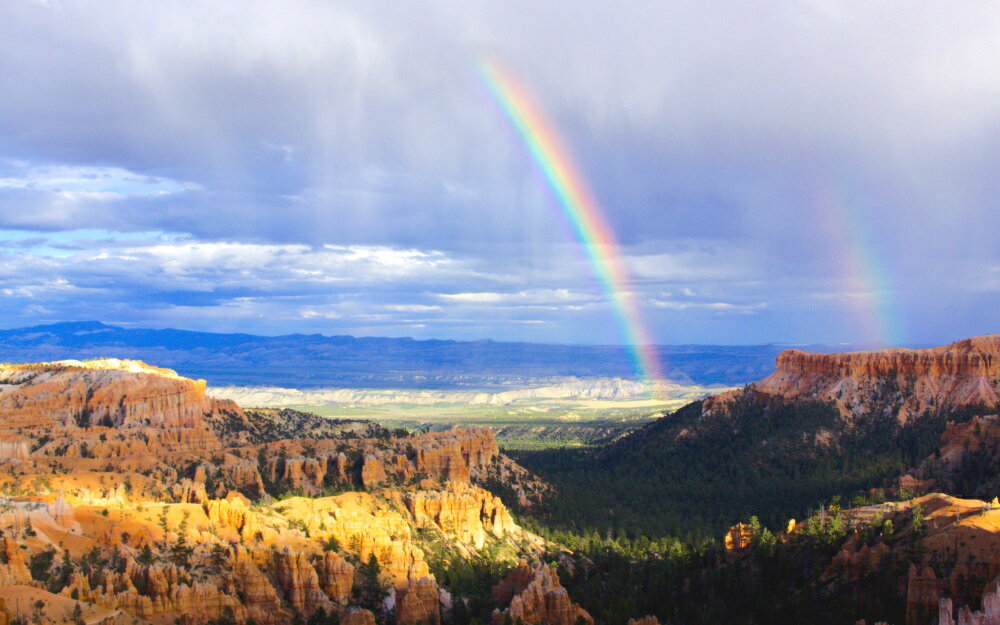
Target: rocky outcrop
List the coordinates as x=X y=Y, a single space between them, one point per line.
x=457 y=455
x=112 y=393
x=537 y=597
x=13 y=569
x=418 y=603
x=299 y=582
x=738 y=537
x=336 y=577
x=165 y=589
x=989 y=615
x=467 y=513
x=966 y=373
x=853 y=562
x=372 y=472
x=366 y=527
x=357 y=616
x=139 y=484
x=233 y=513
x=14 y=449
x=61 y=512
x=923 y=594
x=259 y=596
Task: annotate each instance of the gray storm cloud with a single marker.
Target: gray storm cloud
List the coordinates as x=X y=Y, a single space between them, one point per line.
x=774 y=172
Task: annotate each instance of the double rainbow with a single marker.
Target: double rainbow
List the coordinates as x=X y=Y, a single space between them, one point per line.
x=581 y=209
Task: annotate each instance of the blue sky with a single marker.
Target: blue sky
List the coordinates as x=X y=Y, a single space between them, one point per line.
x=801 y=172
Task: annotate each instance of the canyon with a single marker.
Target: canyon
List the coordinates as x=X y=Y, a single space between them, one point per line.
x=130 y=494
x=129 y=491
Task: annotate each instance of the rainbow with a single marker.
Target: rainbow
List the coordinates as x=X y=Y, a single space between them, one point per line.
x=864 y=276
x=580 y=207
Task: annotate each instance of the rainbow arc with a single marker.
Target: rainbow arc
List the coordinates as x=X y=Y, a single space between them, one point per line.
x=581 y=209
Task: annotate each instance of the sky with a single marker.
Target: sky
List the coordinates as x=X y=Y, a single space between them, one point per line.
x=790 y=172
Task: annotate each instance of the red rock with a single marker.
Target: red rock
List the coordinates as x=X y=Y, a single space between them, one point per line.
x=923 y=595
x=13 y=569
x=357 y=616
x=418 y=602
x=467 y=513
x=537 y=597
x=961 y=374
x=259 y=596
x=299 y=581
x=738 y=537
x=372 y=473
x=336 y=577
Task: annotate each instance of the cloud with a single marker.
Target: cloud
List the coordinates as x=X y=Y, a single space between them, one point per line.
x=334 y=152
x=533 y=298
x=716 y=307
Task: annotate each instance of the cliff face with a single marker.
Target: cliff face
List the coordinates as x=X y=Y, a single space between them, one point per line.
x=462 y=455
x=908 y=382
x=111 y=393
x=124 y=416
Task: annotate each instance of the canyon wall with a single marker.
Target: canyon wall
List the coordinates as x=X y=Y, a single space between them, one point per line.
x=908 y=383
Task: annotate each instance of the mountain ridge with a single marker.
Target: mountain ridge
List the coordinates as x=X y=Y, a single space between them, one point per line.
x=318 y=361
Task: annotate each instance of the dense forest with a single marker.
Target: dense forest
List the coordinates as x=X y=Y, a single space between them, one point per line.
x=692 y=477
x=645 y=516
x=773 y=581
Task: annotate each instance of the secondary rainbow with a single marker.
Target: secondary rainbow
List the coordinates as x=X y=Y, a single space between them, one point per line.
x=581 y=210
x=865 y=278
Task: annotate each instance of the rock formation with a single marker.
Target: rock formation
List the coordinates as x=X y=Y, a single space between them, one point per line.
x=259 y=596
x=738 y=537
x=467 y=513
x=536 y=597
x=299 y=581
x=989 y=615
x=112 y=393
x=357 y=616
x=336 y=577
x=914 y=382
x=13 y=569
x=148 y=498
x=418 y=603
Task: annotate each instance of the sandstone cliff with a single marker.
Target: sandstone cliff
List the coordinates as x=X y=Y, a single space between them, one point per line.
x=908 y=382
x=111 y=393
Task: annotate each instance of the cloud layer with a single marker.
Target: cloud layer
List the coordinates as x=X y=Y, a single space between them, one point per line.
x=810 y=171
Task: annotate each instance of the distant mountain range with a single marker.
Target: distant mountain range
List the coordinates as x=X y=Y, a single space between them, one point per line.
x=317 y=361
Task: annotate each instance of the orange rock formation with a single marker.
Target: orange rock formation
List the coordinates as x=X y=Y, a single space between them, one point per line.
x=418 y=602
x=961 y=374
x=536 y=597
x=150 y=497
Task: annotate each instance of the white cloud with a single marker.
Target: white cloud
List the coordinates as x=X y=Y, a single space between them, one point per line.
x=549 y=298
x=77 y=183
x=411 y=308
x=716 y=307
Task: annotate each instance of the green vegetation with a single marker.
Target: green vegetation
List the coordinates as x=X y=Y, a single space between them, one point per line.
x=40 y=565
x=522 y=425
x=693 y=477
x=699 y=583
